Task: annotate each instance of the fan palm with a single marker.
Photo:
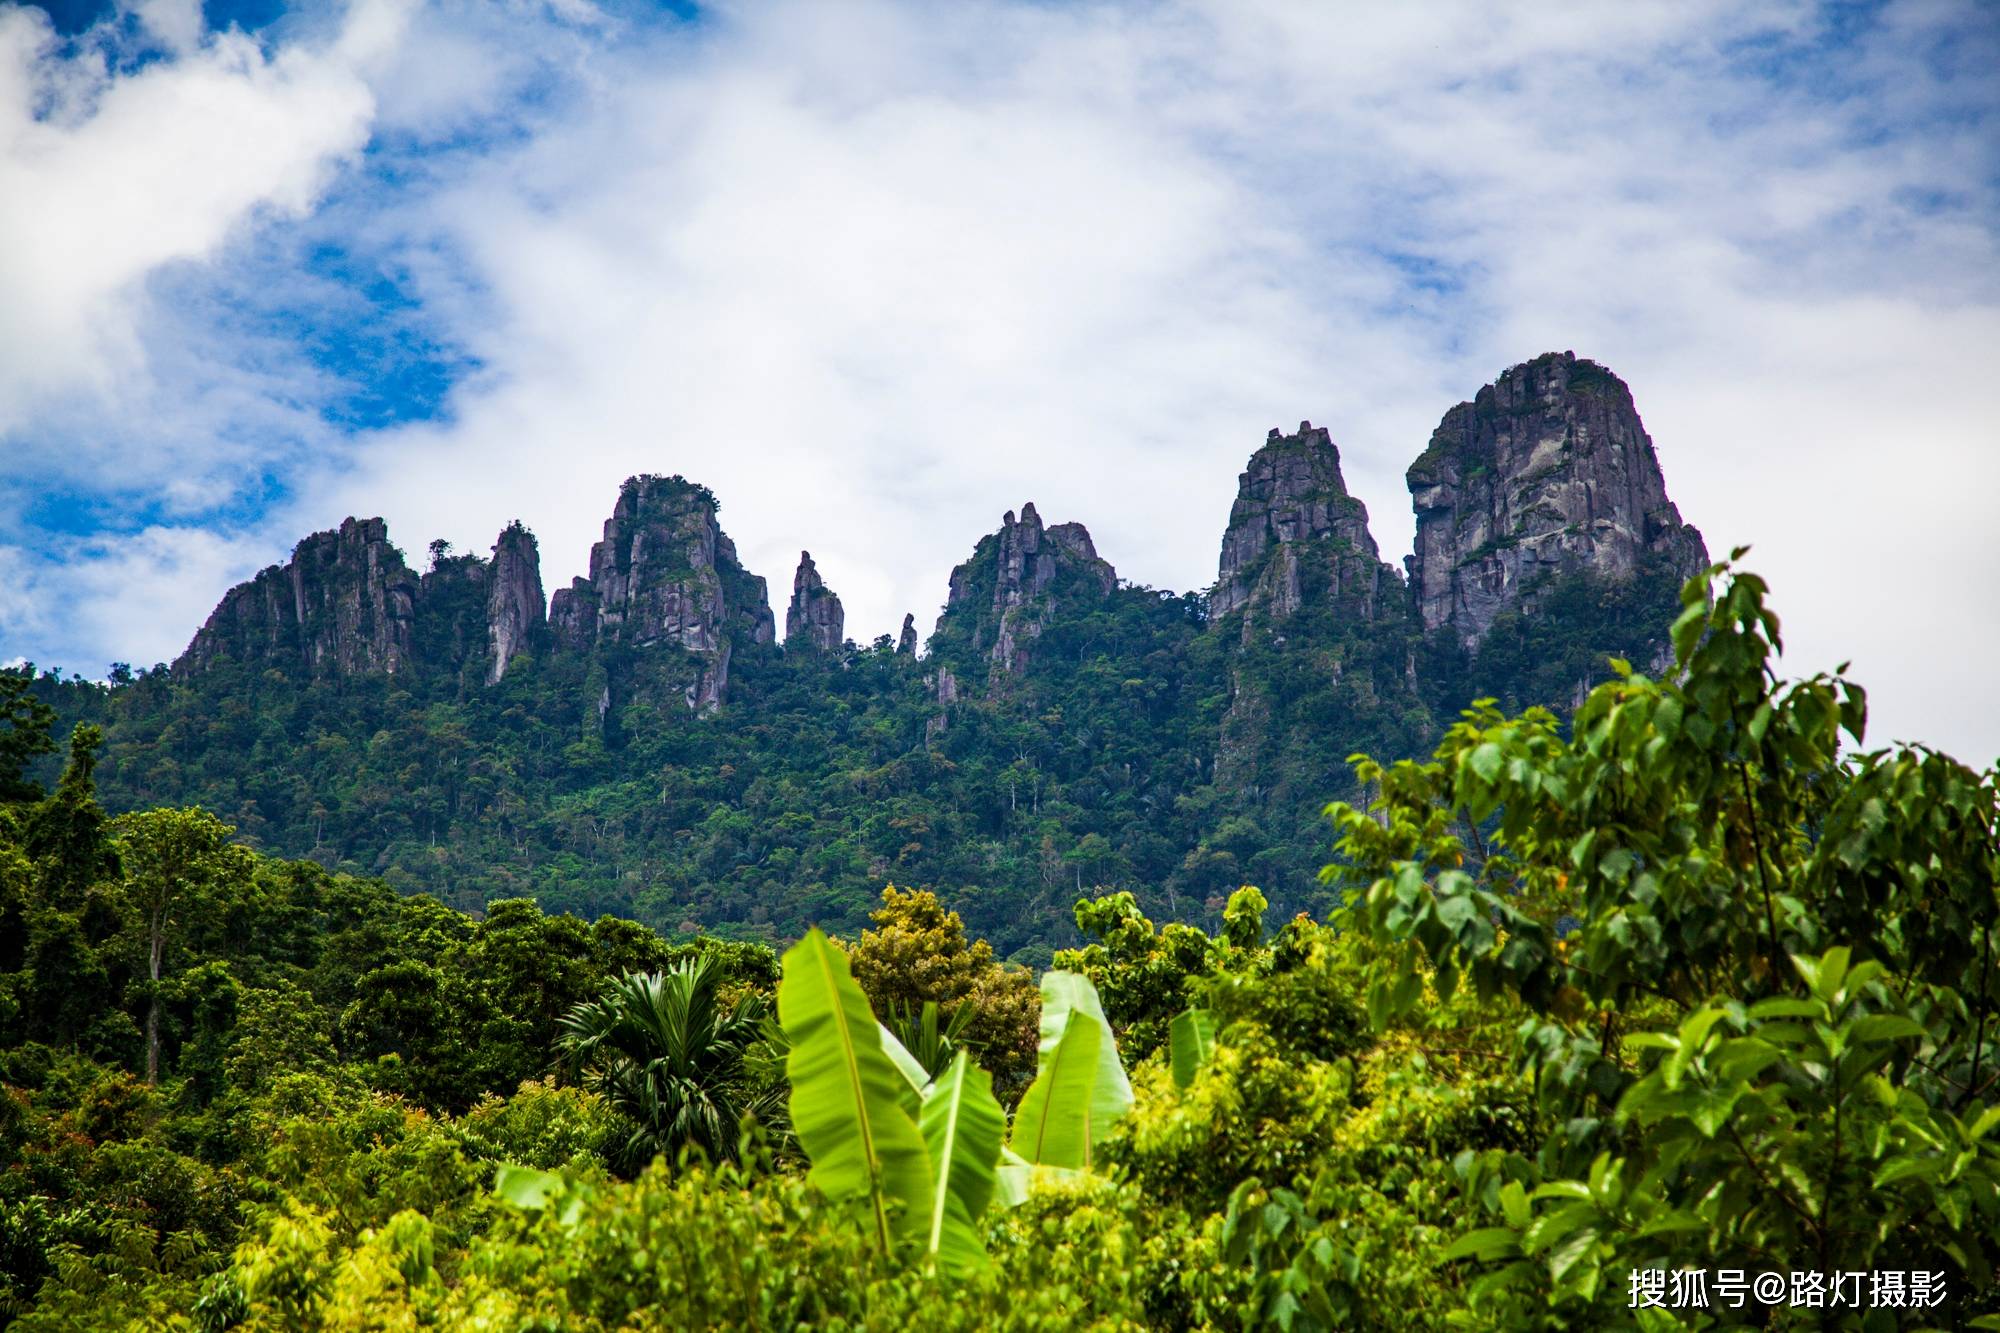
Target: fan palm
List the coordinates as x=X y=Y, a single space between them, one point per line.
x=664 y=1049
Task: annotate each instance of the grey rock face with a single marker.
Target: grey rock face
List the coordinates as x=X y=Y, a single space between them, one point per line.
x=573 y=615
x=344 y=604
x=906 y=642
x=1294 y=524
x=1030 y=568
x=514 y=604
x=1547 y=470
x=815 y=616
x=665 y=575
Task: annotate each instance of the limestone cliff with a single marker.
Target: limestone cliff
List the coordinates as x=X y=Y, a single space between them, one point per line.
x=666 y=576
x=1295 y=532
x=814 y=617
x=1002 y=599
x=343 y=604
x=1547 y=471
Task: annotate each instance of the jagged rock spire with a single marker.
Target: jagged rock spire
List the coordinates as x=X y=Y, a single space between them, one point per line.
x=514 y=606
x=1011 y=586
x=906 y=642
x=666 y=573
x=815 y=615
x=1546 y=470
x=1292 y=519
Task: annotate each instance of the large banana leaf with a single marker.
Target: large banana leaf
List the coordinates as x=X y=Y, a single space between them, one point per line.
x=914 y=1080
x=847 y=1094
x=1080 y=1087
x=1189 y=1041
x=962 y=1125
x=1014 y=1178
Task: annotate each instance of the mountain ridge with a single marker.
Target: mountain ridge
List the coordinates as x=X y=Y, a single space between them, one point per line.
x=645 y=743
x=1479 y=542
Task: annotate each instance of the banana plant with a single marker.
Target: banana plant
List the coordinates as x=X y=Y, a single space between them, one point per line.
x=962 y=1125
x=1190 y=1041
x=926 y=1151
x=848 y=1096
x=1080 y=1087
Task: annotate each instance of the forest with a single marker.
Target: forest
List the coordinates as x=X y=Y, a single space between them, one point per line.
x=1676 y=1010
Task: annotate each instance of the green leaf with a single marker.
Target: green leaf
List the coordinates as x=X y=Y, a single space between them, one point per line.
x=915 y=1078
x=1687 y=630
x=1901 y=1168
x=1785 y=1006
x=1514 y=1205
x=847 y=1096
x=1079 y=1087
x=1190 y=1040
x=1883 y=1027
x=1652 y=1041
x=1694 y=1031
x=525 y=1187
x=962 y=1125
x=1486 y=760
x=1986 y=1121
x=1485 y=1243
x=1014 y=1178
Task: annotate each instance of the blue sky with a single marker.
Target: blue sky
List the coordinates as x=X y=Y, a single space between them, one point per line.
x=878 y=271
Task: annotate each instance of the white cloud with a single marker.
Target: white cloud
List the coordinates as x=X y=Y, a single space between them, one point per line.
x=877 y=272
x=136 y=597
x=109 y=175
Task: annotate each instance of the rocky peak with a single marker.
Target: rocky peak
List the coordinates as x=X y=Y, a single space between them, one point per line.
x=906 y=642
x=814 y=616
x=1293 y=523
x=1547 y=470
x=666 y=575
x=514 y=603
x=1015 y=581
x=343 y=604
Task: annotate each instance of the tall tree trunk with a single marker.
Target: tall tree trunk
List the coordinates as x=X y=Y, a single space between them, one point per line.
x=158 y=943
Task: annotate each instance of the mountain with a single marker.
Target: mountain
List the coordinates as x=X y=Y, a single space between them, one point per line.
x=645 y=744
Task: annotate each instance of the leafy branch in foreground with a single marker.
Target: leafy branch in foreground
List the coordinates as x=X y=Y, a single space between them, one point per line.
x=1757 y=969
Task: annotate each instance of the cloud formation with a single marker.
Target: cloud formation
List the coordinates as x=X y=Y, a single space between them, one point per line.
x=876 y=272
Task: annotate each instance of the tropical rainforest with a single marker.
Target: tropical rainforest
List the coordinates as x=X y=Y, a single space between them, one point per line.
x=1500 y=943
x=1683 y=980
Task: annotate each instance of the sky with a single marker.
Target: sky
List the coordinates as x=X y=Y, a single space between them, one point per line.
x=876 y=272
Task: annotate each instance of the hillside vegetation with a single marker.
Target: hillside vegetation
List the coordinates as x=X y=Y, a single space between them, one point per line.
x=1676 y=984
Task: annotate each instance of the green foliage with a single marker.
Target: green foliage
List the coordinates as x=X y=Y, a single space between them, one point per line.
x=1683 y=984
x=916 y=960
x=1190 y=1041
x=1142 y=974
x=1080 y=1086
x=663 y=1048
x=932 y=1040
x=962 y=1126
x=847 y=1100
x=25 y=721
x=1713 y=917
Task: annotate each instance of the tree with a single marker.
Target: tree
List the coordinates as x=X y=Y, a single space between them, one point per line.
x=66 y=832
x=25 y=723
x=173 y=857
x=918 y=953
x=1759 y=971
x=663 y=1048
